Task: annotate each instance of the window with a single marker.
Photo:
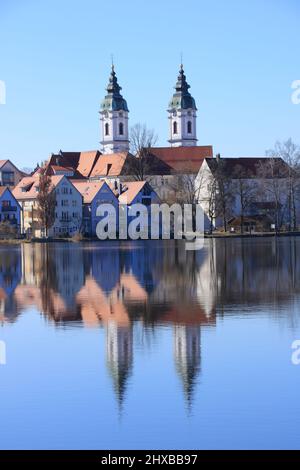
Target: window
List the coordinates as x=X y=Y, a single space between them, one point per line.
x=121 y=128
x=64 y=202
x=106 y=129
x=189 y=127
x=8 y=178
x=174 y=127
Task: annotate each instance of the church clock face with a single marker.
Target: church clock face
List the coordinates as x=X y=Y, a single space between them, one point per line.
x=174 y=113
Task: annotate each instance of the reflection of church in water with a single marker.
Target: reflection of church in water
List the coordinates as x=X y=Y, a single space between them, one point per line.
x=127 y=287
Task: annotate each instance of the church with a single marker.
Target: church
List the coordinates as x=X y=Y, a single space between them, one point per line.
x=182 y=113
x=161 y=165
x=182 y=172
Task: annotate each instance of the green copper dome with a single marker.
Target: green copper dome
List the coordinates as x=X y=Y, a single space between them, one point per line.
x=114 y=101
x=182 y=99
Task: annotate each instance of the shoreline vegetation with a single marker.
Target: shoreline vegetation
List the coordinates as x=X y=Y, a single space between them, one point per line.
x=75 y=239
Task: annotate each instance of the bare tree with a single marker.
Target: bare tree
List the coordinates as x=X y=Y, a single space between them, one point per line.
x=290 y=153
x=273 y=177
x=212 y=206
x=46 y=201
x=245 y=191
x=141 y=141
x=224 y=191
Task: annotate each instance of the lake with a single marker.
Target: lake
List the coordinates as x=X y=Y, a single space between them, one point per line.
x=144 y=345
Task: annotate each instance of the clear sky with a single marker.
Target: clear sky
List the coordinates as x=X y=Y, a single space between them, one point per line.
x=240 y=58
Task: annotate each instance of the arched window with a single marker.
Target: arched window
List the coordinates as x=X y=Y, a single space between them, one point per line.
x=121 y=128
x=107 y=129
x=174 y=127
x=189 y=127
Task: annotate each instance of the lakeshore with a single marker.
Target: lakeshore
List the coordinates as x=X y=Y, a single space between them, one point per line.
x=95 y=240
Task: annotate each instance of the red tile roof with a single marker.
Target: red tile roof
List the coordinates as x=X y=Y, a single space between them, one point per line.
x=88 y=189
x=113 y=164
x=26 y=189
x=130 y=191
x=82 y=162
x=2 y=162
x=187 y=159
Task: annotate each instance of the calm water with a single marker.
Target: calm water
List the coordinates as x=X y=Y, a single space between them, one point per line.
x=145 y=345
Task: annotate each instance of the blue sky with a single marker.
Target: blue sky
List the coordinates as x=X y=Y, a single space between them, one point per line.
x=240 y=59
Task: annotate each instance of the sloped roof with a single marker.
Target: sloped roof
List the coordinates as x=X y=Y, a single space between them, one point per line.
x=89 y=189
x=249 y=167
x=112 y=164
x=2 y=162
x=187 y=159
x=82 y=162
x=5 y=188
x=2 y=190
x=133 y=188
x=29 y=184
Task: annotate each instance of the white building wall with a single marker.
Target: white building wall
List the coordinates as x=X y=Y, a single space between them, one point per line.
x=114 y=141
x=182 y=137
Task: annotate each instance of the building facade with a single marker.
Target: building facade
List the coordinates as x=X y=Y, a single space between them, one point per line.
x=10 y=209
x=10 y=175
x=94 y=193
x=68 y=207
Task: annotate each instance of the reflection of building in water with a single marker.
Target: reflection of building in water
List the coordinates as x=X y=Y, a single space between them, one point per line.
x=32 y=263
x=104 y=266
x=10 y=276
x=187 y=353
x=119 y=350
x=51 y=277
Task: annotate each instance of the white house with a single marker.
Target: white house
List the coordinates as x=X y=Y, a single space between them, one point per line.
x=257 y=188
x=68 y=209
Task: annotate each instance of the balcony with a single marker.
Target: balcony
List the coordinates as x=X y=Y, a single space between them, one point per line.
x=9 y=208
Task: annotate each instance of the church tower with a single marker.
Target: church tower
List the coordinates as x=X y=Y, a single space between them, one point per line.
x=182 y=114
x=114 y=118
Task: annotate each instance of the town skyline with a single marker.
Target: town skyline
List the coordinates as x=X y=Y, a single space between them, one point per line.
x=240 y=113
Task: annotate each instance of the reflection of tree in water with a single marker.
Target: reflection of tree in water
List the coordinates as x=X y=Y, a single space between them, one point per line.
x=187 y=352
x=48 y=282
x=10 y=269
